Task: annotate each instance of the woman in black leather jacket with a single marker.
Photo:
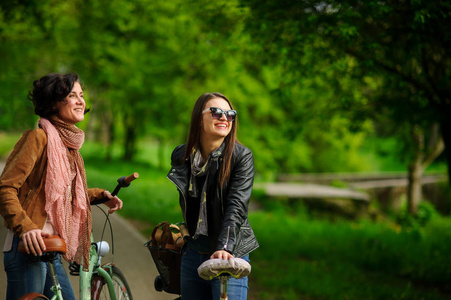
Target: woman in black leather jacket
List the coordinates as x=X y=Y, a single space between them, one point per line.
x=214 y=175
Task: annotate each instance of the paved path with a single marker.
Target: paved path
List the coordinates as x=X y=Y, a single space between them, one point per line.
x=130 y=256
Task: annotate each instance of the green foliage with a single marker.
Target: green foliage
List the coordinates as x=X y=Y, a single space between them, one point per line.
x=293 y=70
x=426 y=212
x=7 y=142
x=384 y=60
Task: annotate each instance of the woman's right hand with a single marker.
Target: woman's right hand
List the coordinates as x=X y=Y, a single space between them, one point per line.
x=33 y=242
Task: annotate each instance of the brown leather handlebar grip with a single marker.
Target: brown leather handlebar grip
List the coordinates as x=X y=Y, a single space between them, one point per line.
x=131 y=177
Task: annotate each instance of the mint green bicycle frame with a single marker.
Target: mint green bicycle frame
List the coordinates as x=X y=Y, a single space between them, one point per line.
x=85 y=276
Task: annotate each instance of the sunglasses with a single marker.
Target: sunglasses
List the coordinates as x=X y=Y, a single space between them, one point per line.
x=216 y=113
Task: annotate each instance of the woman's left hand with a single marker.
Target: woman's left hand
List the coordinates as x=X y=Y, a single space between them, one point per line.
x=221 y=254
x=114 y=203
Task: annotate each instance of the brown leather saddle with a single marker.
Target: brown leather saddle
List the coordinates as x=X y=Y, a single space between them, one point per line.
x=52 y=243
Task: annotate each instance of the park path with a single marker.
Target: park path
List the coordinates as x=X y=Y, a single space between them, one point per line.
x=130 y=256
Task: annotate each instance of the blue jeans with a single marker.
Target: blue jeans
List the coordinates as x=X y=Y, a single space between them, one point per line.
x=195 y=288
x=25 y=275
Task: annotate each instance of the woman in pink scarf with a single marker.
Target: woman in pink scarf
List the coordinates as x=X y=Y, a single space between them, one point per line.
x=43 y=189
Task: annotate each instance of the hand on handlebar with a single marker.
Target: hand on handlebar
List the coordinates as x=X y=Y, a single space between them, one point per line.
x=33 y=241
x=114 y=203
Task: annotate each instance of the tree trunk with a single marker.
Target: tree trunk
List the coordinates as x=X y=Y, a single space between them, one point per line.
x=423 y=157
x=110 y=141
x=414 y=193
x=446 y=135
x=415 y=171
x=130 y=143
x=161 y=156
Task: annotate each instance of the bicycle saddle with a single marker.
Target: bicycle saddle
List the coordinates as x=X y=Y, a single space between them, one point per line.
x=52 y=243
x=236 y=267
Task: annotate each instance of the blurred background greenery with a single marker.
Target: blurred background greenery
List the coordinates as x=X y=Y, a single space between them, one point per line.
x=319 y=86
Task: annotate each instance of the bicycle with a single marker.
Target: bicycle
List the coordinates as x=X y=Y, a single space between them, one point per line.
x=100 y=281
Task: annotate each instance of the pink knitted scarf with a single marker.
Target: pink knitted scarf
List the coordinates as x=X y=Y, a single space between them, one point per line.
x=67 y=205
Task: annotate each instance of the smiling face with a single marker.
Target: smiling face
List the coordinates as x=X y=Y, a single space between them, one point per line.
x=213 y=128
x=72 y=110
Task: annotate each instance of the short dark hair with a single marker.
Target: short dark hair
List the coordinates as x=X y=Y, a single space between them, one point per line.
x=49 y=90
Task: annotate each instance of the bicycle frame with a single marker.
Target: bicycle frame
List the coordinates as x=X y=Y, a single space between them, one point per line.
x=86 y=276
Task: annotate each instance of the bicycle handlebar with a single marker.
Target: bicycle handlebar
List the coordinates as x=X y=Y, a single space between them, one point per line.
x=121 y=182
x=124 y=182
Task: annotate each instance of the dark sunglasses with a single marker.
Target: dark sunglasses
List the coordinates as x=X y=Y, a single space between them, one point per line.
x=216 y=113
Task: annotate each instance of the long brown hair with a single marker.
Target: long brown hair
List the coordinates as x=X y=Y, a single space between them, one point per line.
x=193 y=142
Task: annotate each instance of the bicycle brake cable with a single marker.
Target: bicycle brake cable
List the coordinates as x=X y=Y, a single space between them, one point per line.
x=107 y=220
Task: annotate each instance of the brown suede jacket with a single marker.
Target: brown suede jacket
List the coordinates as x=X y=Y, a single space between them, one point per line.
x=22 y=184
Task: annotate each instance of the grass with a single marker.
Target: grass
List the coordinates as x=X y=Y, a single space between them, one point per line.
x=304 y=258
x=150 y=198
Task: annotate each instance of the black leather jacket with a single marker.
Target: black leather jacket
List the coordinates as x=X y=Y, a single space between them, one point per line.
x=228 y=225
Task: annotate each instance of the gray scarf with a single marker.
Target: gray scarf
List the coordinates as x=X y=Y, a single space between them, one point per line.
x=197 y=170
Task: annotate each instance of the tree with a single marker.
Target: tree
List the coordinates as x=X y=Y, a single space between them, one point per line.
x=138 y=58
x=403 y=45
x=26 y=51
x=425 y=153
x=144 y=63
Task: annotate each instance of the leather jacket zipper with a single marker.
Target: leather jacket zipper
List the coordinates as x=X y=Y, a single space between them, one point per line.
x=227 y=240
